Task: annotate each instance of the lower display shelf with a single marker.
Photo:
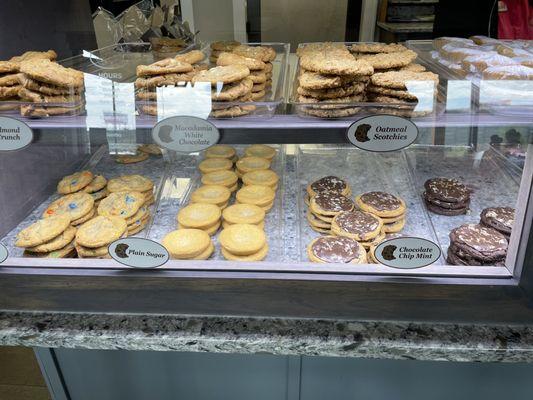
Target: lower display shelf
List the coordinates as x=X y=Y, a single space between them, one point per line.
x=288 y=231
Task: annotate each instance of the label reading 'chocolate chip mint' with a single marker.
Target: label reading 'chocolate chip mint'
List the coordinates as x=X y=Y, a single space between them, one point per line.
x=138 y=252
x=382 y=133
x=185 y=134
x=407 y=252
x=14 y=134
x=3 y=253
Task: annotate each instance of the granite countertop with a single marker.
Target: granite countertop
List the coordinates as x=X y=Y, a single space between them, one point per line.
x=367 y=339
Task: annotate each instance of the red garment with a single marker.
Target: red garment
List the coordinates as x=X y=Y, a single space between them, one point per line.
x=515 y=19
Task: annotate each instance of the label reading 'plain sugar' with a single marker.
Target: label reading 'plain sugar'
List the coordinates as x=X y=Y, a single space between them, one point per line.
x=407 y=252
x=3 y=253
x=14 y=134
x=138 y=252
x=382 y=133
x=185 y=134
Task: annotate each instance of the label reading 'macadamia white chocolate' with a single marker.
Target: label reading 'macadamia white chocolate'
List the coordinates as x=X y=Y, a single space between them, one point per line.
x=185 y=134
x=382 y=133
x=14 y=134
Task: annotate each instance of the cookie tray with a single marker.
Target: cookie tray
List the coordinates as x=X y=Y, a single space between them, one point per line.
x=426 y=109
x=266 y=107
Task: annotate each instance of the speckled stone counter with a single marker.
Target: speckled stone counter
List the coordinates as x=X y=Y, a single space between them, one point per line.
x=367 y=339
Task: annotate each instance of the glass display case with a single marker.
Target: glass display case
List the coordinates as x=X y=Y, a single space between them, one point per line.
x=330 y=179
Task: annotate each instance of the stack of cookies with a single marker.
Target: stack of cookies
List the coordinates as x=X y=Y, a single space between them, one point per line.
x=473 y=244
x=251 y=163
x=212 y=194
x=243 y=214
x=95 y=235
x=84 y=182
x=11 y=80
x=133 y=183
x=258 y=195
x=203 y=216
x=188 y=244
x=143 y=153
x=221 y=47
x=499 y=218
x=222 y=151
x=243 y=242
x=336 y=249
x=129 y=205
x=330 y=79
x=362 y=226
x=78 y=206
x=446 y=196
x=262 y=78
x=390 y=208
x=256 y=79
x=51 y=237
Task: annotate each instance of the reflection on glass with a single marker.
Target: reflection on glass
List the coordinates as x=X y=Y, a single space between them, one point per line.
x=503 y=93
x=459 y=95
x=424 y=91
x=184 y=100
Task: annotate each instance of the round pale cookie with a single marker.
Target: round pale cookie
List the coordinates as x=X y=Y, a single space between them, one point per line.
x=243 y=214
x=100 y=231
x=206 y=253
x=394 y=226
x=318 y=223
x=262 y=177
x=267 y=207
x=226 y=178
x=212 y=194
x=86 y=217
x=260 y=150
x=73 y=183
x=335 y=249
x=223 y=74
x=328 y=184
x=138 y=226
x=121 y=204
x=242 y=239
x=64 y=252
x=358 y=225
x=99 y=195
x=247 y=164
x=42 y=231
x=133 y=158
x=186 y=243
x=87 y=252
x=381 y=204
x=191 y=57
x=256 y=96
x=212 y=229
x=151 y=148
x=143 y=212
x=253 y=64
x=259 y=256
x=220 y=151
x=56 y=243
x=261 y=224
x=136 y=183
x=199 y=215
x=261 y=196
x=330 y=203
x=75 y=205
x=263 y=53
x=398 y=79
x=215 y=164
x=97 y=184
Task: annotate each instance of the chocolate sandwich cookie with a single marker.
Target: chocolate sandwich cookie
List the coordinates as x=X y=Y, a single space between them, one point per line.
x=445 y=211
x=335 y=249
x=463 y=258
x=358 y=225
x=499 y=218
x=330 y=203
x=478 y=242
x=329 y=184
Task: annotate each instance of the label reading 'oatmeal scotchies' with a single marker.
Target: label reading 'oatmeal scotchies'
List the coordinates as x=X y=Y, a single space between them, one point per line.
x=138 y=252
x=407 y=252
x=382 y=133
x=14 y=134
x=185 y=134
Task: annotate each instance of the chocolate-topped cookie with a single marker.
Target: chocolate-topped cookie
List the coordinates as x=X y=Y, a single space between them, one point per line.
x=381 y=204
x=461 y=257
x=480 y=242
x=330 y=203
x=335 y=249
x=358 y=225
x=328 y=184
x=499 y=218
x=447 y=189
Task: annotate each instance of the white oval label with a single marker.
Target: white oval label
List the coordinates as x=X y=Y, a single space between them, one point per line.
x=185 y=134
x=3 y=253
x=138 y=252
x=407 y=252
x=382 y=133
x=14 y=134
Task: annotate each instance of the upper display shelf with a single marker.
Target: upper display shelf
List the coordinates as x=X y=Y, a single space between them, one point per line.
x=444 y=82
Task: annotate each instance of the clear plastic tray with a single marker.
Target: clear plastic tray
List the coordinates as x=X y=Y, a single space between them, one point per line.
x=426 y=109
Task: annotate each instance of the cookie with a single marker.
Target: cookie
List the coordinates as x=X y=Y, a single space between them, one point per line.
x=186 y=243
x=64 y=252
x=165 y=66
x=199 y=215
x=445 y=204
x=314 y=81
x=258 y=95
x=263 y=177
x=485 y=244
x=382 y=91
x=499 y=218
x=398 y=79
x=100 y=231
x=447 y=189
x=413 y=68
x=389 y=60
x=445 y=211
x=215 y=164
x=9 y=91
x=332 y=113
x=242 y=239
x=151 y=148
x=121 y=204
x=226 y=74
x=87 y=252
x=44 y=70
x=220 y=151
x=243 y=214
x=35 y=55
x=329 y=64
x=333 y=93
x=335 y=249
x=11 y=79
x=142 y=213
x=377 y=48
x=135 y=183
x=190 y=57
x=42 y=231
x=99 y=195
x=233 y=91
x=258 y=87
x=75 y=205
x=381 y=204
x=258 y=77
x=334 y=103
x=91 y=214
x=226 y=224
x=330 y=203
x=37 y=97
x=259 y=256
x=251 y=163
x=132 y=158
x=263 y=53
x=394 y=227
x=75 y=182
x=358 y=225
x=56 y=243
x=233 y=111
x=328 y=184
x=316 y=222
x=252 y=64
x=36 y=111
x=212 y=194
x=97 y=184
x=163 y=80
x=137 y=226
x=224 y=45
x=261 y=196
x=9 y=67
x=226 y=178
